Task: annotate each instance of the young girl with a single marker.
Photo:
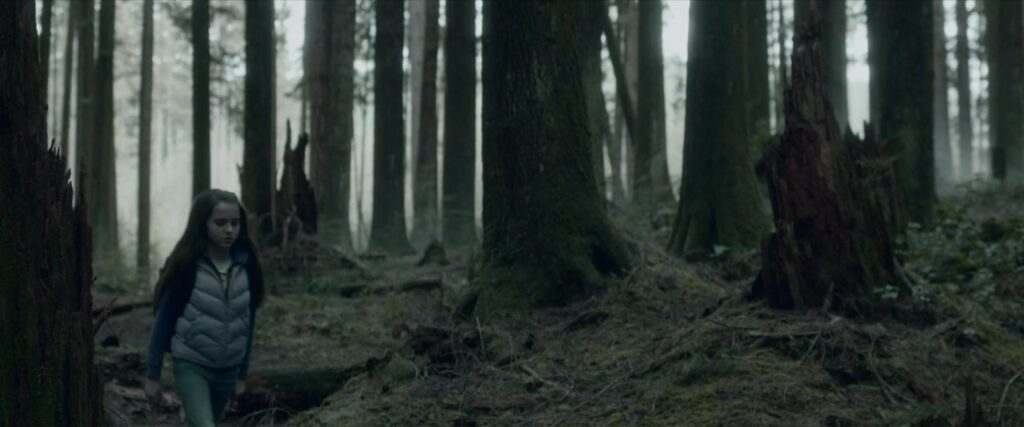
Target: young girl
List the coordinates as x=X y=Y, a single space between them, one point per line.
x=205 y=304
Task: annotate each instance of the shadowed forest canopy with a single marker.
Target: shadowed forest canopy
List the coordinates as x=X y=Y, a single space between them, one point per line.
x=493 y=212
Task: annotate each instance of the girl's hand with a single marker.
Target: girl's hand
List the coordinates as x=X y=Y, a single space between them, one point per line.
x=239 y=387
x=152 y=389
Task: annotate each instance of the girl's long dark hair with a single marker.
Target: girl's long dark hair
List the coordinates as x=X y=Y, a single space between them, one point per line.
x=180 y=264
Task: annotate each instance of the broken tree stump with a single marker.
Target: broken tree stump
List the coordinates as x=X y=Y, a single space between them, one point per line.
x=830 y=247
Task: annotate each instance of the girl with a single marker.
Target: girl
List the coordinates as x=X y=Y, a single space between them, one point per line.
x=205 y=304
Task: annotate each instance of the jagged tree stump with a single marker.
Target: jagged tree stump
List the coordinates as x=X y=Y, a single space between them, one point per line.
x=830 y=247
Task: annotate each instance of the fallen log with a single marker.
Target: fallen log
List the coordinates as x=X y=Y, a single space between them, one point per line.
x=418 y=284
x=292 y=388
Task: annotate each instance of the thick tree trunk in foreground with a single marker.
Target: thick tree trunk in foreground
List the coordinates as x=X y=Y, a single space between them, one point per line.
x=387 y=232
x=829 y=248
x=145 y=139
x=900 y=56
x=200 y=96
x=459 y=170
x=46 y=329
x=1005 y=51
x=330 y=75
x=651 y=184
x=258 y=157
x=965 y=131
x=425 y=216
x=547 y=240
x=719 y=203
x=104 y=167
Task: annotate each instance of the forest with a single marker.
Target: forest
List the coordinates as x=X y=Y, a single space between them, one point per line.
x=496 y=212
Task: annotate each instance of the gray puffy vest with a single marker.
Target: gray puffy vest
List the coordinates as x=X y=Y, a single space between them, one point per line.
x=214 y=328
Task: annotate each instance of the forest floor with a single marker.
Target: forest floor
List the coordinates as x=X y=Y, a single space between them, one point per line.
x=671 y=344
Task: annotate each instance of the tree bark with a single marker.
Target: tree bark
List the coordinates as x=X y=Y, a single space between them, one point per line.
x=758 y=104
x=69 y=65
x=258 y=173
x=965 y=131
x=85 y=104
x=1006 y=88
x=145 y=140
x=47 y=377
x=104 y=167
x=547 y=240
x=625 y=122
x=720 y=204
x=783 y=79
x=331 y=51
x=832 y=18
x=594 y=15
x=829 y=248
x=200 y=96
x=943 y=150
x=44 y=48
x=459 y=172
x=632 y=71
x=425 y=217
x=651 y=183
x=388 y=231
x=900 y=56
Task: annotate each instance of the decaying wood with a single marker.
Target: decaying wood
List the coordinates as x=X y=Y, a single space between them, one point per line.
x=293 y=388
x=295 y=210
x=831 y=243
x=418 y=284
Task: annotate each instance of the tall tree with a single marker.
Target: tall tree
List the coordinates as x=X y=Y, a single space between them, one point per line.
x=44 y=45
x=832 y=18
x=331 y=50
x=258 y=155
x=630 y=45
x=616 y=141
x=387 y=232
x=651 y=182
x=782 y=79
x=900 y=57
x=85 y=103
x=104 y=166
x=145 y=139
x=940 y=128
x=594 y=14
x=69 y=57
x=1005 y=50
x=425 y=217
x=720 y=204
x=459 y=172
x=965 y=131
x=47 y=377
x=758 y=103
x=546 y=240
x=200 y=24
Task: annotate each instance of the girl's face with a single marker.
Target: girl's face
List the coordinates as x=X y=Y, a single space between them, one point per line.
x=224 y=224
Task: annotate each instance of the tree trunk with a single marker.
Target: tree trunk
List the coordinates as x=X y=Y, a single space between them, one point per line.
x=829 y=249
x=832 y=19
x=547 y=240
x=1006 y=88
x=900 y=56
x=69 y=65
x=44 y=48
x=47 y=377
x=258 y=157
x=943 y=150
x=387 y=232
x=594 y=15
x=631 y=64
x=200 y=96
x=625 y=120
x=459 y=124
x=331 y=79
x=425 y=218
x=782 y=78
x=145 y=140
x=651 y=183
x=965 y=131
x=85 y=106
x=720 y=204
x=758 y=103
x=103 y=161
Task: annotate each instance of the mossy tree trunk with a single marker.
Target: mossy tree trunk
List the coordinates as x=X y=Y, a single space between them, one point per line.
x=200 y=96
x=719 y=204
x=145 y=142
x=651 y=184
x=546 y=239
x=47 y=376
x=388 y=231
x=104 y=206
x=831 y=15
x=331 y=55
x=258 y=173
x=459 y=172
x=830 y=247
x=965 y=130
x=425 y=216
x=900 y=57
x=1005 y=49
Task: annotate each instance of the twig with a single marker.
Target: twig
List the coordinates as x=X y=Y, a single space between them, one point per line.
x=808 y=353
x=98 y=322
x=599 y=393
x=1006 y=388
x=537 y=376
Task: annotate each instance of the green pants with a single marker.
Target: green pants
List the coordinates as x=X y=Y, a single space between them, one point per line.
x=204 y=392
